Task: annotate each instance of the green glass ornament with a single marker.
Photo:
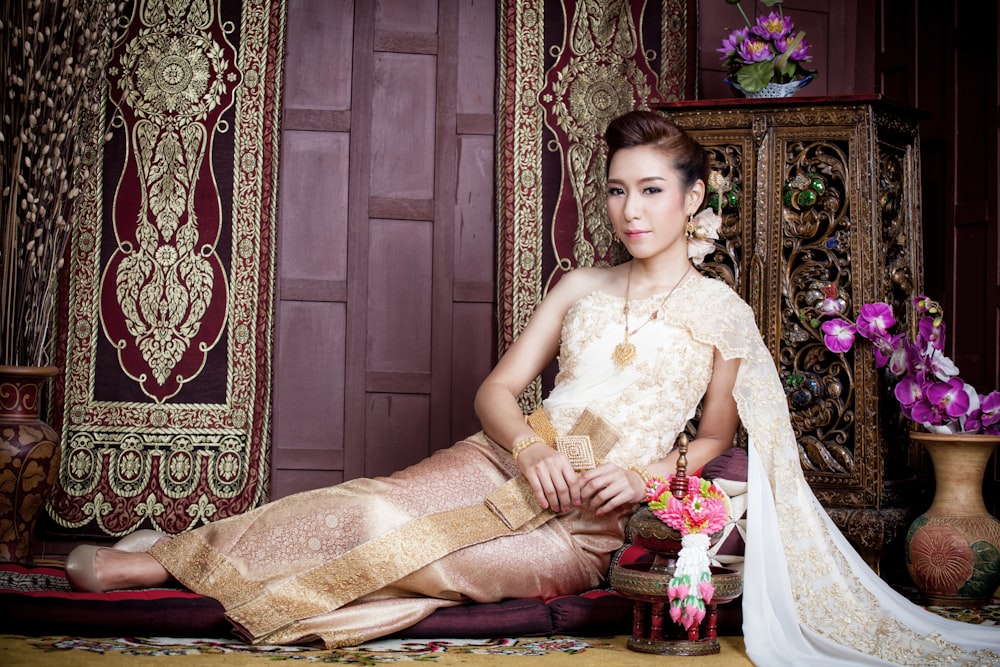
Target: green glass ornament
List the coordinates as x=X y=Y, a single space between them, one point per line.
x=806 y=198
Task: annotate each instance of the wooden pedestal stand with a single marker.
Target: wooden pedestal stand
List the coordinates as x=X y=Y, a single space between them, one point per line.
x=653 y=631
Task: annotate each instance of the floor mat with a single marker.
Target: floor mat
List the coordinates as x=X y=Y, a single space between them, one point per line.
x=556 y=650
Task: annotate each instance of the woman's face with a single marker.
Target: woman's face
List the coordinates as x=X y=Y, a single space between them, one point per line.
x=647 y=202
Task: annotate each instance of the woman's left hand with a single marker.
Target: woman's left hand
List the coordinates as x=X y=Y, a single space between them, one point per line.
x=608 y=487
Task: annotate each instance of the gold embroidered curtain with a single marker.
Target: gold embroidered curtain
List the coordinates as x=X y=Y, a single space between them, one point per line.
x=166 y=337
x=566 y=68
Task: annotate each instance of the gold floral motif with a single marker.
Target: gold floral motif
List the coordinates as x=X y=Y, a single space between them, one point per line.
x=170 y=76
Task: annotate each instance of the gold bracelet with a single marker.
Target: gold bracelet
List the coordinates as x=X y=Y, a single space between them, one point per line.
x=523 y=445
x=642 y=473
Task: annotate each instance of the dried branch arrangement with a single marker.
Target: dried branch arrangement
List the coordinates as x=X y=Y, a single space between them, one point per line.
x=51 y=61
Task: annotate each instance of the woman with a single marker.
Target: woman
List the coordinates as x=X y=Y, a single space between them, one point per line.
x=504 y=514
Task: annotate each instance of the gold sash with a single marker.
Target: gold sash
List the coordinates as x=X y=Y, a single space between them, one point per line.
x=379 y=562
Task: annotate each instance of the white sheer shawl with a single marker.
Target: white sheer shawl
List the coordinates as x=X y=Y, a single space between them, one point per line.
x=809 y=598
x=814 y=600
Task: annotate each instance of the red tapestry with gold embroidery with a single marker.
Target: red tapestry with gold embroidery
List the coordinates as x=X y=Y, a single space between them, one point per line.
x=166 y=344
x=566 y=68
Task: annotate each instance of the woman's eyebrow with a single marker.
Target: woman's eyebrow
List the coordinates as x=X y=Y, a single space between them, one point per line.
x=644 y=179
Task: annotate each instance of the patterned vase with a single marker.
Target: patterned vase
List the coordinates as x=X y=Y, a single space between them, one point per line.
x=953 y=549
x=29 y=457
x=773 y=89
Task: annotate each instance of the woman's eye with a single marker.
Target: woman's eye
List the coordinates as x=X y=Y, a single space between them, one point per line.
x=615 y=191
x=652 y=190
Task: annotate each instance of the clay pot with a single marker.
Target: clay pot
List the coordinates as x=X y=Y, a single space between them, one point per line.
x=29 y=458
x=953 y=549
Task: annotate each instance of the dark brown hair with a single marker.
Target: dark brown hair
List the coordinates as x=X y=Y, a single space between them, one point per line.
x=648 y=128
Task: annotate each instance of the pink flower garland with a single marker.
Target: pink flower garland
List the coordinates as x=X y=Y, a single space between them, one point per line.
x=702 y=511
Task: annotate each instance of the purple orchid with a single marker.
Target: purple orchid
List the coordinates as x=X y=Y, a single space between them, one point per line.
x=928 y=387
x=931 y=331
x=875 y=320
x=839 y=335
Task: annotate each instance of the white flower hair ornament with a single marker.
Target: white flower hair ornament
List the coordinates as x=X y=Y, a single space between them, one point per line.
x=702 y=232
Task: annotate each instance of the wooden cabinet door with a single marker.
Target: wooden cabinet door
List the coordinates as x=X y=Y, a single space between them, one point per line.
x=818 y=197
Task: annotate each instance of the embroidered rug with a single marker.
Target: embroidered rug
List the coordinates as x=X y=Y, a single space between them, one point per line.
x=165 y=405
x=550 y=651
x=566 y=68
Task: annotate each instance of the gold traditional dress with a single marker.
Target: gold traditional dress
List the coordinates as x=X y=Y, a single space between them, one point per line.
x=373 y=556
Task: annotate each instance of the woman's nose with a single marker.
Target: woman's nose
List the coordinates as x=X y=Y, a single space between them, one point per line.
x=632 y=209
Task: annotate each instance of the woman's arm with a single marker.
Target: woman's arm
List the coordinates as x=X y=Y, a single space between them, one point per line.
x=608 y=487
x=549 y=472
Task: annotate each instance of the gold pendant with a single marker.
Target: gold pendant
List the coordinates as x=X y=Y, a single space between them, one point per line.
x=624 y=354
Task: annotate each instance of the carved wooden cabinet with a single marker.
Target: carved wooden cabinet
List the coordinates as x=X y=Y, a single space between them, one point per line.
x=820 y=197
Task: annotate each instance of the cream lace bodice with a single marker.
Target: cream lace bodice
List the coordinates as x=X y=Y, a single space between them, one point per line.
x=650 y=400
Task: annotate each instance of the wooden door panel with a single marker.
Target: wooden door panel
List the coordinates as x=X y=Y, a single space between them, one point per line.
x=473 y=345
x=476 y=67
x=386 y=261
x=418 y=16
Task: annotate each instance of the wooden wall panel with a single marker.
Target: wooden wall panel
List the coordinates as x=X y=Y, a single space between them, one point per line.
x=308 y=407
x=318 y=58
x=403 y=118
x=474 y=232
x=407 y=15
x=474 y=336
x=942 y=58
x=398 y=428
x=399 y=297
x=313 y=235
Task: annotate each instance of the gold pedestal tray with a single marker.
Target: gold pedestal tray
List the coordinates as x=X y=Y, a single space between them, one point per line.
x=653 y=631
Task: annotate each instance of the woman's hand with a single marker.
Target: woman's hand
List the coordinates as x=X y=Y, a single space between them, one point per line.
x=552 y=478
x=608 y=487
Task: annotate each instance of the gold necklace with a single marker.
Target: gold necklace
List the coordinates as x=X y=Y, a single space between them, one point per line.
x=624 y=353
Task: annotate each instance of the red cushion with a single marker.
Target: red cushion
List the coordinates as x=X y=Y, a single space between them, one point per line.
x=38 y=600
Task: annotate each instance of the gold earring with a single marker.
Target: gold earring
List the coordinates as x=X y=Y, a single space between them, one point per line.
x=690 y=227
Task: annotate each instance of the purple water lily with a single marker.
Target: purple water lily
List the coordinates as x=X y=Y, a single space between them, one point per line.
x=767 y=50
x=772 y=27
x=731 y=43
x=753 y=50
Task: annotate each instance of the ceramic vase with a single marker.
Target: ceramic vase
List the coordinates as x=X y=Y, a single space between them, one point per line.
x=953 y=549
x=773 y=89
x=29 y=457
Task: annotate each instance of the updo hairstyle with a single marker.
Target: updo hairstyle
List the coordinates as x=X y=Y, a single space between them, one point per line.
x=648 y=128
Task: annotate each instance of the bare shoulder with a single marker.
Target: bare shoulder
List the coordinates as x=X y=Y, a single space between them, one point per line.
x=582 y=281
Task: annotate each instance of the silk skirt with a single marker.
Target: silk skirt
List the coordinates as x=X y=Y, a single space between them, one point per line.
x=345 y=564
